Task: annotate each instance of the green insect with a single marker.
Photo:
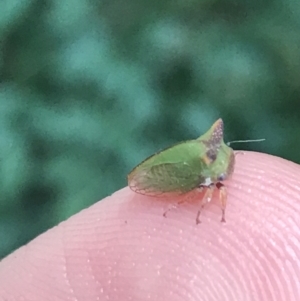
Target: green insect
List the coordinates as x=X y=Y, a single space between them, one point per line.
x=193 y=165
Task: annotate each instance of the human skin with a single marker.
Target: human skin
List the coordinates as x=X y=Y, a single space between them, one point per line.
x=122 y=248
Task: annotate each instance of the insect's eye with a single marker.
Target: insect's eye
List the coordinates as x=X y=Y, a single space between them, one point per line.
x=222 y=177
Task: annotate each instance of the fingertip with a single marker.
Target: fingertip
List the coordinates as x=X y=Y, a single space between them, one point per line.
x=123 y=247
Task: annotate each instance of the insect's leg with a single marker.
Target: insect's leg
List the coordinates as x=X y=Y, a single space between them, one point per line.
x=206 y=199
x=185 y=199
x=223 y=199
x=174 y=206
x=171 y=207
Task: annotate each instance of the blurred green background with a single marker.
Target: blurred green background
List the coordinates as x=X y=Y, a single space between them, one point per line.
x=90 y=88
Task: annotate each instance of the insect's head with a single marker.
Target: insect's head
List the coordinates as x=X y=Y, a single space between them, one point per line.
x=222 y=176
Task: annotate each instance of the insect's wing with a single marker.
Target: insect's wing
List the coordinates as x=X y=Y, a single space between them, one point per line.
x=164 y=178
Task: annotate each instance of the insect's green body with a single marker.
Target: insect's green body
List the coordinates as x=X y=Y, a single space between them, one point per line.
x=185 y=166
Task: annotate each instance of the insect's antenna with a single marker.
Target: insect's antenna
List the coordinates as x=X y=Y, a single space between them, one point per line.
x=245 y=141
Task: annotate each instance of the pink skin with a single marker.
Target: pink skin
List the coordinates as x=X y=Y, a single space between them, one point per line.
x=122 y=248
